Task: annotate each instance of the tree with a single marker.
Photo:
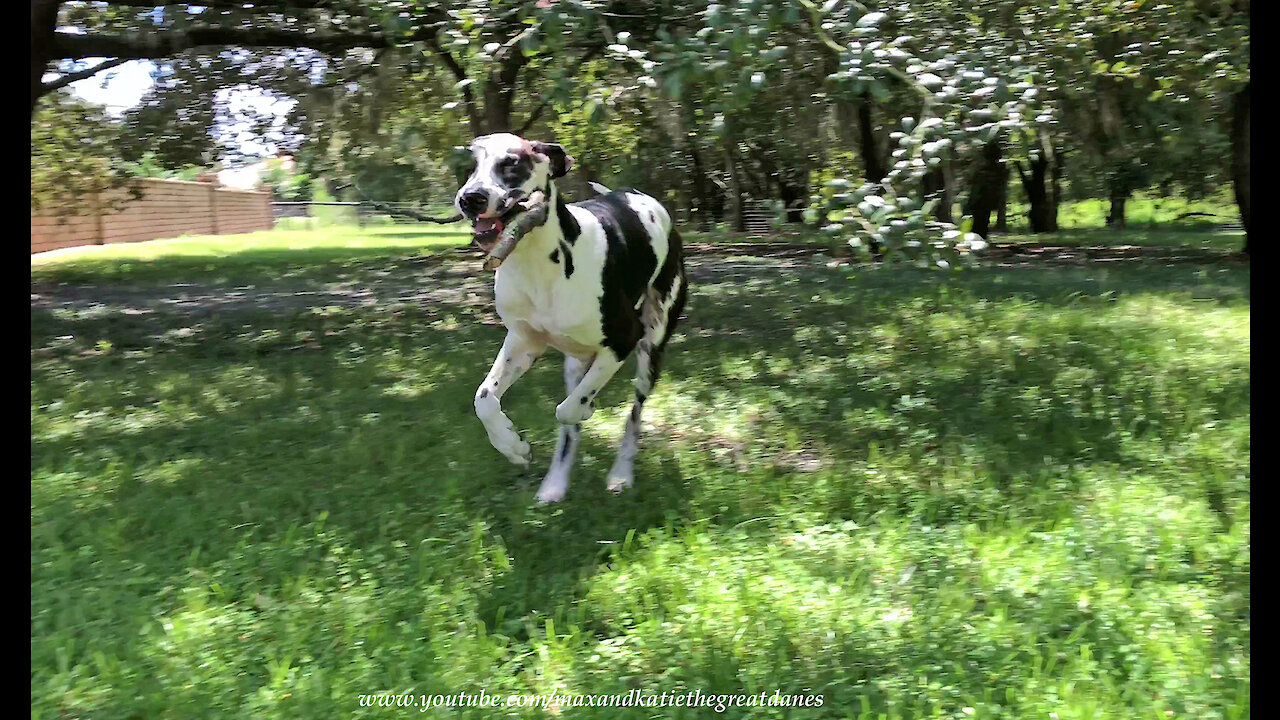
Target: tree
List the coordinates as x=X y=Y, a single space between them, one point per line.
x=1240 y=156
x=486 y=47
x=74 y=159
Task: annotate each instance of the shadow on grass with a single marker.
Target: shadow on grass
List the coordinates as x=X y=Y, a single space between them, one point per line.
x=271 y=421
x=214 y=261
x=244 y=451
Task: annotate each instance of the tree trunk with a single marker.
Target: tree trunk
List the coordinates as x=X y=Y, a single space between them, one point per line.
x=936 y=183
x=1043 y=214
x=1002 y=202
x=44 y=21
x=671 y=115
x=792 y=183
x=497 y=106
x=986 y=178
x=702 y=213
x=794 y=198
x=1240 y=157
x=1115 y=218
x=736 y=216
x=867 y=145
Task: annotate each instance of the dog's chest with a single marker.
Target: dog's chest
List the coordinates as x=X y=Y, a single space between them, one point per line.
x=553 y=294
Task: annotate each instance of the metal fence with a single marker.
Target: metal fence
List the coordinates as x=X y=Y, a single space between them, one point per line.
x=313 y=214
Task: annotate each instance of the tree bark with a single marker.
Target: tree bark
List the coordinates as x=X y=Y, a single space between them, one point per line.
x=794 y=199
x=875 y=165
x=1043 y=214
x=792 y=183
x=500 y=90
x=986 y=176
x=1240 y=157
x=936 y=182
x=44 y=21
x=1002 y=202
x=1115 y=217
x=736 y=215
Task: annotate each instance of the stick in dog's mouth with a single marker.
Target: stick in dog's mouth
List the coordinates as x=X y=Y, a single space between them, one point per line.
x=509 y=227
x=488 y=229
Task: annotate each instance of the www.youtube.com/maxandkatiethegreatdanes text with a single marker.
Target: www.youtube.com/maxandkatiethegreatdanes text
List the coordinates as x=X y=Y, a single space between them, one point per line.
x=718 y=702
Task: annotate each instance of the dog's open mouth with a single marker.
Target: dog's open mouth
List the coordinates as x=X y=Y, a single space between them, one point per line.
x=488 y=229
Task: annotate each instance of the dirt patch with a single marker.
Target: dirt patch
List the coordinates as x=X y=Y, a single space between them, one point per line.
x=450 y=279
x=1037 y=254
x=455 y=278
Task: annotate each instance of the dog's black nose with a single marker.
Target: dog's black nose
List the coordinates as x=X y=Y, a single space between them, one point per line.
x=474 y=202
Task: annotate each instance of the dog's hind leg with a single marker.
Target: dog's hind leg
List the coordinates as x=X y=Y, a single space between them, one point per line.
x=514 y=359
x=660 y=320
x=556 y=482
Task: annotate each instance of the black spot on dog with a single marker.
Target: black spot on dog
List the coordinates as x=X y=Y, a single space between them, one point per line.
x=484 y=393
x=514 y=170
x=640 y=397
x=671 y=266
x=583 y=401
x=555 y=256
x=629 y=263
x=568 y=260
x=564 y=452
x=568 y=223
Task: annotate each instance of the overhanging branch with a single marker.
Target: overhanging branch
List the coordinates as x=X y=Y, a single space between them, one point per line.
x=158 y=45
x=67 y=78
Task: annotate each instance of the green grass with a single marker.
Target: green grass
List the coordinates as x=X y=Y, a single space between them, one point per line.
x=265 y=255
x=1151 y=220
x=1142 y=211
x=992 y=493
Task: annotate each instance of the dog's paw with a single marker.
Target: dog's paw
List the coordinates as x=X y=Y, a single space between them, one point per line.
x=519 y=454
x=551 y=491
x=512 y=447
x=620 y=478
x=573 y=411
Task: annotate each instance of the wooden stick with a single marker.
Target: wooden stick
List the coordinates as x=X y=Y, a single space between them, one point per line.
x=535 y=214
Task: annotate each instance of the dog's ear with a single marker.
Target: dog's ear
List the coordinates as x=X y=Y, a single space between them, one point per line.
x=561 y=163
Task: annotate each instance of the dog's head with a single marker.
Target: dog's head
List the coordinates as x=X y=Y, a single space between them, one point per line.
x=507 y=169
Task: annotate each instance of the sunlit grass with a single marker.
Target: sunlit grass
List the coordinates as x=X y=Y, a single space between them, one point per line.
x=1142 y=211
x=993 y=493
x=262 y=254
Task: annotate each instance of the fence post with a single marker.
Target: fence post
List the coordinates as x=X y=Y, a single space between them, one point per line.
x=99 y=225
x=213 y=206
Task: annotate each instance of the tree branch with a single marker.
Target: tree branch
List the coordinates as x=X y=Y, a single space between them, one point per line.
x=537 y=112
x=67 y=78
x=158 y=45
x=238 y=4
x=468 y=98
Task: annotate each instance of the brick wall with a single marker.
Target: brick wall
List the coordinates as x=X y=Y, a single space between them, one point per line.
x=168 y=208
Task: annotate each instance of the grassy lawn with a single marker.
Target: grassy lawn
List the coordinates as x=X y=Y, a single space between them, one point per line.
x=268 y=255
x=997 y=493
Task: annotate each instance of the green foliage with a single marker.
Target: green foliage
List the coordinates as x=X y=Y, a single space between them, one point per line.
x=706 y=104
x=288 y=184
x=75 y=161
x=999 y=493
x=149 y=166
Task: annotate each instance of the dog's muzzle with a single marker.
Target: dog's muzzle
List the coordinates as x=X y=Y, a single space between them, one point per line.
x=488 y=229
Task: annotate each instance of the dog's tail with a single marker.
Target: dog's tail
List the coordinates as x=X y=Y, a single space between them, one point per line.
x=598 y=187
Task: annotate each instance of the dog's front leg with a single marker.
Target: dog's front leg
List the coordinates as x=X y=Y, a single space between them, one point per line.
x=515 y=357
x=580 y=403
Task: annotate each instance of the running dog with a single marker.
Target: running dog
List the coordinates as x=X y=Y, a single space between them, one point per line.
x=597 y=280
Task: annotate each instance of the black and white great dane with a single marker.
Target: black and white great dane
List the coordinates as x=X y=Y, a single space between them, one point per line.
x=597 y=280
